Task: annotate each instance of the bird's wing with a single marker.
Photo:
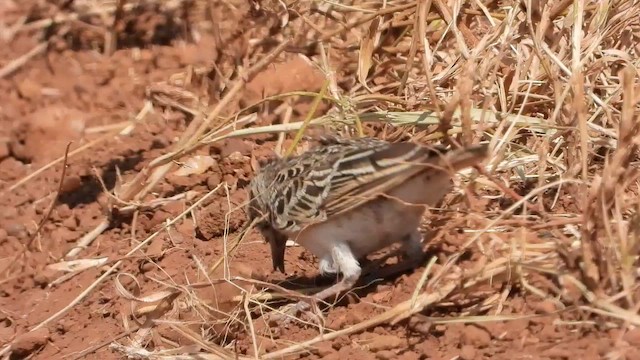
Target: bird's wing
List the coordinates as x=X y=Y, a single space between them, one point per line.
x=343 y=174
x=367 y=173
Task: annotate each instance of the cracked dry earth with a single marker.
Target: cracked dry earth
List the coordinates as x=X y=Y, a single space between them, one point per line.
x=73 y=93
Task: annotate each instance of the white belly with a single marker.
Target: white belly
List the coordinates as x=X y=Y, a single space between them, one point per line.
x=377 y=224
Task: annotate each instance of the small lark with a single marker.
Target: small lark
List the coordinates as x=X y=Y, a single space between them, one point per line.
x=347 y=198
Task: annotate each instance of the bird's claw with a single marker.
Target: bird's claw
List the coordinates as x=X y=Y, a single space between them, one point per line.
x=286 y=314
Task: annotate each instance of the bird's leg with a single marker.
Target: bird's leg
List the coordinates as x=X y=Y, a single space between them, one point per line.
x=327 y=266
x=348 y=266
x=344 y=262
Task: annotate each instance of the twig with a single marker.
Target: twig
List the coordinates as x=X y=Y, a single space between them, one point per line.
x=55 y=198
x=365 y=19
x=20 y=61
x=87 y=239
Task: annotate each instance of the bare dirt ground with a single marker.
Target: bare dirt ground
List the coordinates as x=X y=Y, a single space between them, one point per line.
x=125 y=81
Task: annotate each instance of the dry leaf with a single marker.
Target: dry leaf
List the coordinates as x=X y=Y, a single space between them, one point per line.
x=367 y=46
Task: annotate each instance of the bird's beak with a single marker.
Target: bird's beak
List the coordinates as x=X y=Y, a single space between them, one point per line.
x=278 y=247
x=278 y=244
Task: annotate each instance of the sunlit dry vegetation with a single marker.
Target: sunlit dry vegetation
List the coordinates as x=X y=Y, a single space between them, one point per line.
x=552 y=86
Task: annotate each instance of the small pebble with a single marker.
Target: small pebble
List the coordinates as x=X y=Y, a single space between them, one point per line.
x=9 y=212
x=71 y=183
x=467 y=352
x=63 y=211
x=16 y=230
x=472 y=335
x=43 y=278
x=4 y=150
x=70 y=223
x=230 y=146
x=545 y=307
x=386 y=355
x=385 y=342
x=633 y=337
x=213 y=181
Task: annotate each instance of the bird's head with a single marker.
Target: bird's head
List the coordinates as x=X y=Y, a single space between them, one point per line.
x=258 y=212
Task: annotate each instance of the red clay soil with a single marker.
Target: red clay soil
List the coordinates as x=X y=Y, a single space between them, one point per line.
x=71 y=93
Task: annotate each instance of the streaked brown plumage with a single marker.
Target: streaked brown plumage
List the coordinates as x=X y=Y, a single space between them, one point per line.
x=347 y=198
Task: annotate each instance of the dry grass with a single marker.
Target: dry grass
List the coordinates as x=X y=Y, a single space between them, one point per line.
x=552 y=87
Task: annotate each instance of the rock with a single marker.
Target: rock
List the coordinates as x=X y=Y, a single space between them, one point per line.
x=385 y=342
x=184 y=229
x=452 y=334
x=545 y=307
x=9 y=212
x=7 y=7
x=559 y=352
x=632 y=337
x=323 y=350
x=6 y=334
x=339 y=321
x=29 y=89
x=229 y=146
x=12 y=169
x=44 y=277
x=213 y=181
x=155 y=248
x=199 y=54
x=473 y=335
x=515 y=329
x=386 y=355
x=231 y=180
x=159 y=217
x=293 y=74
x=632 y=354
x=381 y=296
x=64 y=234
x=211 y=219
x=4 y=150
x=16 y=229
x=70 y=223
x=549 y=332
x=71 y=183
x=63 y=211
x=44 y=134
x=467 y=352
x=354 y=317
x=236 y=157
x=28 y=343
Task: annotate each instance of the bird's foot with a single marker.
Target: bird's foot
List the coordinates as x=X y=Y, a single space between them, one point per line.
x=301 y=310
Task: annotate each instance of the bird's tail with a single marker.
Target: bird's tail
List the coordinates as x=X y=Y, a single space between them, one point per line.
x=458 y=159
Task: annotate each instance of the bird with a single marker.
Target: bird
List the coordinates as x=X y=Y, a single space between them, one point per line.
x=346 y=198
